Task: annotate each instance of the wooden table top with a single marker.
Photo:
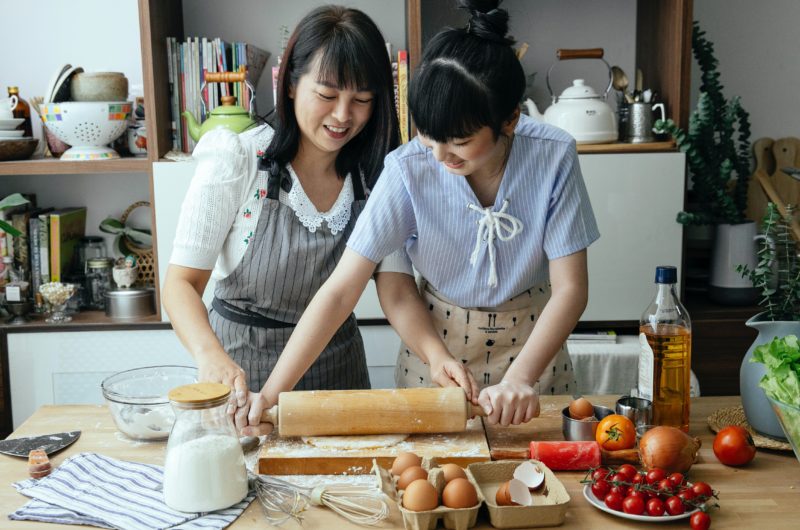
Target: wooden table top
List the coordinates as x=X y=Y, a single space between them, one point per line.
x=765 y=494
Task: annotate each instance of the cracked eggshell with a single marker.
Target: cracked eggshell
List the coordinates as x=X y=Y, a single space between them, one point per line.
x=530 y=475
x=520 y=494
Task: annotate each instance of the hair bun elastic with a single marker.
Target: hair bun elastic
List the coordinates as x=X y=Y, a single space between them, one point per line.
x=489 y=24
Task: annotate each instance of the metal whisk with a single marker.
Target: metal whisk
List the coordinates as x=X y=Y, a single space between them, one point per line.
x=282 y=501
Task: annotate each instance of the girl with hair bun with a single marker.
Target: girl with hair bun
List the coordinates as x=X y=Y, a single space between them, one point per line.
x=491 y=210
x=269 y=211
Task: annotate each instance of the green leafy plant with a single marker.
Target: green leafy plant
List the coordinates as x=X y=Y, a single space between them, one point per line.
x=15 y=199
x=777 y=274
x=782 y=359
x=717 y=146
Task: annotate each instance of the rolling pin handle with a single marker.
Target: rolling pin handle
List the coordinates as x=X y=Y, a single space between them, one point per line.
x=477 y=410
x=270 y=415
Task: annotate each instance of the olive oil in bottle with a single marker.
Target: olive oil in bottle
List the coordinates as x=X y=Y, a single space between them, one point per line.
x=665 y=336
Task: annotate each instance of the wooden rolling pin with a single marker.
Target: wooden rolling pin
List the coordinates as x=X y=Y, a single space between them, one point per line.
x=351 y=412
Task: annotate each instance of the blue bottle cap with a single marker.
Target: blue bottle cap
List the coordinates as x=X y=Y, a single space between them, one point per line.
x=666 y=274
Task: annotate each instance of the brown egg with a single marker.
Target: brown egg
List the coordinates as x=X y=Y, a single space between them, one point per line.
x=403 y=461
x=420 y=496
x=459 y=493
x=451 y=471
x=410 y=475
x=503 y=495
x=581 y=408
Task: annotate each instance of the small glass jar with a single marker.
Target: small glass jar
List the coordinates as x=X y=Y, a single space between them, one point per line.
x=98 y=281
x=90 y=247
x=204 y=469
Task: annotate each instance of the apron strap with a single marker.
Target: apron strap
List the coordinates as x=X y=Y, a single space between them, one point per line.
x=243 y=316
x=358 y=187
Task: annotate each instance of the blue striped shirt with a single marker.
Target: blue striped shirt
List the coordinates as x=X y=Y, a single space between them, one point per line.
x=416 y=203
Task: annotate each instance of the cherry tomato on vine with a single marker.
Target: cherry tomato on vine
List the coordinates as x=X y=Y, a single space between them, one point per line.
x=655 y=506
x=674 y=505
x=676 y=479
x=614 y=501
x=656 y=475
x=633 y=505
x=687 y=494
x=600 y=489
x=664 y=487
x=733 y=446
x=702 y=489
x=600 y=473
x=621 y=490
x=627 y=470
x=700 y=521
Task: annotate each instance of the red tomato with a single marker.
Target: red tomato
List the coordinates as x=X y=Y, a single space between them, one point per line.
x=675 y=505
x=633 y=505
x=600 y=473
x=734 y=446
x=618 y=477
x=600 y=489
x=664 y=487
x=676 y=479
x=621 y=490
x=638 y=493
x=614 y=501
x=655 y=475
x=627 y=470
x=700 y=521
x=655 y=506
x=638 y=478
x=701 y=489
x=687 y=494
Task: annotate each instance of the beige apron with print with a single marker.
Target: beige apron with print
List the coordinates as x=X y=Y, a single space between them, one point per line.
x=487 y=342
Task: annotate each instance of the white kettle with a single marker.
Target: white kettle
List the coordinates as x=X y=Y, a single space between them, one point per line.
x=580 y=110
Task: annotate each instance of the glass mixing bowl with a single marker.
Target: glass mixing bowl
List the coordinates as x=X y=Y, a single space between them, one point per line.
x=138 y=399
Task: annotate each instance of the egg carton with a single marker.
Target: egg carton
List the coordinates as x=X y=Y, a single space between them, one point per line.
x=549 y=507
x=453 y=518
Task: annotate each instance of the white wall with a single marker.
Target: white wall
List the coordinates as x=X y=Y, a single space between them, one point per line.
x=756 y=44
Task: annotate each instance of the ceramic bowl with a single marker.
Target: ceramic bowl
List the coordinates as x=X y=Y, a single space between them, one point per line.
x=17 y=148
x=10 y=125
x=582 y=430
x=99 y=86
x=87 y=126
x=138 y=399
x=789 y=418
x=11 y=134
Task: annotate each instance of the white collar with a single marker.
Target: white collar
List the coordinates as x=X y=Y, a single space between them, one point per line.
x=337 y=217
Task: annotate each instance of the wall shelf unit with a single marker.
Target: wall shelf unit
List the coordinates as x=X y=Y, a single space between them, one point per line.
x=53 y=166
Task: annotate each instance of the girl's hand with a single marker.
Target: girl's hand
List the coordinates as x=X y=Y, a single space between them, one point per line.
x=219 y=368
x=509 y=403
x=248 y=418
x=446 y=371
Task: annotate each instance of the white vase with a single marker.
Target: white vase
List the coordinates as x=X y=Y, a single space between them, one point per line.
x=734 y=245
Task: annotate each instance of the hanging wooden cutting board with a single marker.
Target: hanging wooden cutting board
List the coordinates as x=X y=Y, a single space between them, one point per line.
x=765 y=161
x=292 y=456
x=786 y=152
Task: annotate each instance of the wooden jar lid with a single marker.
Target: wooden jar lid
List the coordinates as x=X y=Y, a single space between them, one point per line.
x=199 y=393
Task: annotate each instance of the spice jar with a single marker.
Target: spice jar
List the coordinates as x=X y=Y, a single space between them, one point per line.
x=98 y=281
x=204 y=469
x=90 y=247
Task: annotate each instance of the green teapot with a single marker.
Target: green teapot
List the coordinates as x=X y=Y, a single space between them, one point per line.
x=229 y=115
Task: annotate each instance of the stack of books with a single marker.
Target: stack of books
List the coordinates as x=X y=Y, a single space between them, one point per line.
x=188 y=63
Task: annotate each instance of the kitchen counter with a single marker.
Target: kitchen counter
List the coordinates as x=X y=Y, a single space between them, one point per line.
x=764 y=494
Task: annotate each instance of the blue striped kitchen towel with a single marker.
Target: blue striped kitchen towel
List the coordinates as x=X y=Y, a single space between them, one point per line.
x=96 y=490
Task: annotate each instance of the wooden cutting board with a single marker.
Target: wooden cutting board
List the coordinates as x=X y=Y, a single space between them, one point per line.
x=292 y=456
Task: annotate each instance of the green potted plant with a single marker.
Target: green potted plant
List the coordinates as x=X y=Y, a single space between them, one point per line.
x=777 y=277
x=719 y=156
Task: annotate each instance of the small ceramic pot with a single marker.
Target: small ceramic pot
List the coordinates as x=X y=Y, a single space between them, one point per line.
x=99 y=86
x=125 y=277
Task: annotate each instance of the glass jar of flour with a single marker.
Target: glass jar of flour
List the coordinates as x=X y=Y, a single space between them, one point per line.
x=204 y=469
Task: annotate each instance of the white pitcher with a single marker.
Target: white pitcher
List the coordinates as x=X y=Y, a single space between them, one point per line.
x=7 y=107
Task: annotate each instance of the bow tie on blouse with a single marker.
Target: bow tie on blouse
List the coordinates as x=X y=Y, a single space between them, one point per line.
x=493 y=225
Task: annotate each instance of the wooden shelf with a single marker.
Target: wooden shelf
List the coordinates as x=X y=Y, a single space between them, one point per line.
x=85 y=321
x=52 y=166
x=621 y=147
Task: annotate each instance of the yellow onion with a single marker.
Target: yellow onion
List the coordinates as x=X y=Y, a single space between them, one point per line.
x=669 y=449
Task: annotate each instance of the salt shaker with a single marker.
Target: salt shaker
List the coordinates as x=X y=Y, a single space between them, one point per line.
x=204 y=469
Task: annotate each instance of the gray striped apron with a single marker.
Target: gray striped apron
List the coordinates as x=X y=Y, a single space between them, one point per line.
x=256 y=307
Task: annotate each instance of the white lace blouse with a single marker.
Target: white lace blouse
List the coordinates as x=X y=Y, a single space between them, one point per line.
x=220 y=212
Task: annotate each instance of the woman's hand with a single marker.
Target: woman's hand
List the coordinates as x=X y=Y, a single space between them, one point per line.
x=248 y=418
x=446 y=371
x=509 y=403
x=219 y=368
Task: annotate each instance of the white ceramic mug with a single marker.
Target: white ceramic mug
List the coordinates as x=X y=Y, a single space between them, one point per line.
x=7 y=107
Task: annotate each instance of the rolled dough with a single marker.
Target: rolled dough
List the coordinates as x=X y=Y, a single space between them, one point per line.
x=341 y=443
